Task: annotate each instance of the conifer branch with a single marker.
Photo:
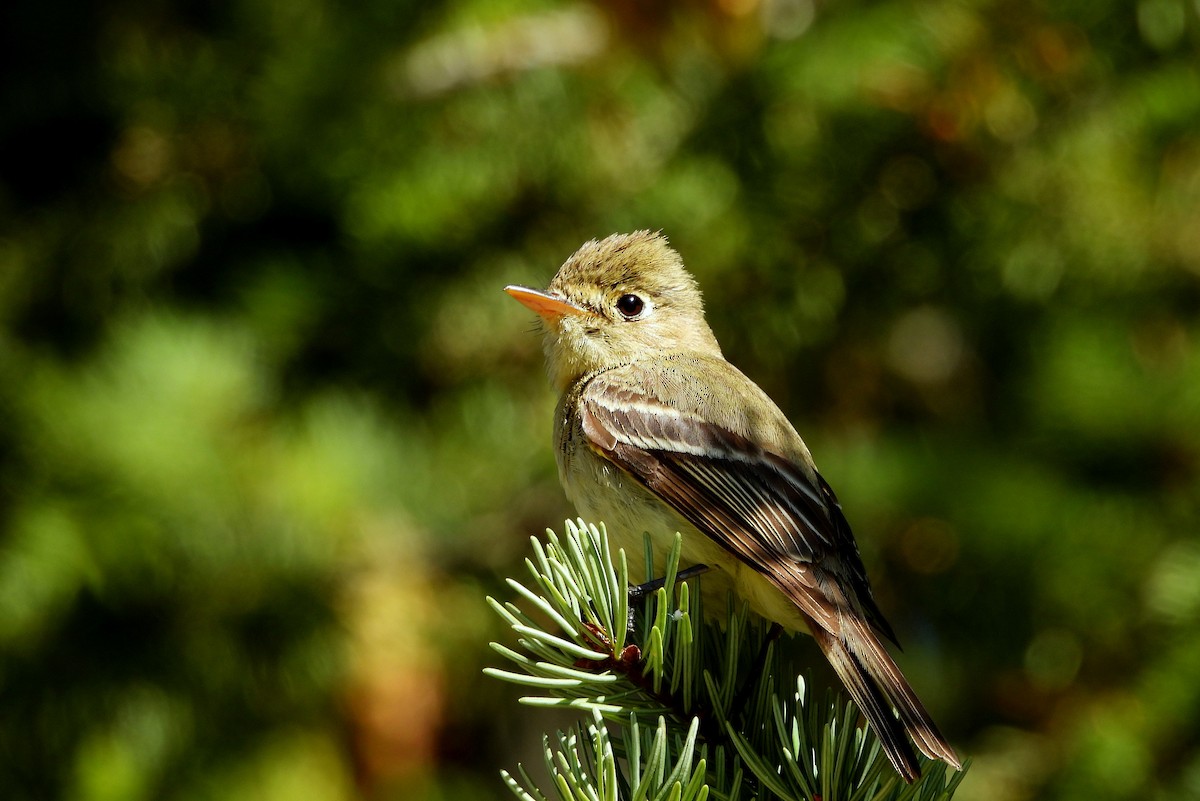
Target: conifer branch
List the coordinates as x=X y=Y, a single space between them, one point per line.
x=694 y=715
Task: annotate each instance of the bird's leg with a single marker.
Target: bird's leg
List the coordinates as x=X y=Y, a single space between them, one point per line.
x=757 y=668
x=639 y=591
x=628 y=661
x=631 y=653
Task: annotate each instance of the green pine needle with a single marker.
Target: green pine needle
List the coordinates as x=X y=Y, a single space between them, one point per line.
x=672 y=698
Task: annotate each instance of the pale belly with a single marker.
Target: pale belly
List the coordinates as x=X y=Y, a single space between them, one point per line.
x=638 y=512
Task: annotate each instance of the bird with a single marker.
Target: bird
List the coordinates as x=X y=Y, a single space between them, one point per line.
x=655 y=431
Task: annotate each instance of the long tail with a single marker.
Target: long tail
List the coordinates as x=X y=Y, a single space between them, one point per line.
x=877 y=686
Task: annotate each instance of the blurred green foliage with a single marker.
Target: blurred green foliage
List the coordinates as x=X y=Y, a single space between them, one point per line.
x=271 y=430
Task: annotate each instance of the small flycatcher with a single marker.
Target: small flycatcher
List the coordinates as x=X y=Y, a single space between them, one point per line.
x=656 y=432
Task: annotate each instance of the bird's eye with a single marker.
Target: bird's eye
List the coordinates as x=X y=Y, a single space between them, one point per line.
x=630 y=306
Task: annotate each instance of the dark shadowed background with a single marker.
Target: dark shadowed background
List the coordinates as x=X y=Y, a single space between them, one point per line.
x=271 y=430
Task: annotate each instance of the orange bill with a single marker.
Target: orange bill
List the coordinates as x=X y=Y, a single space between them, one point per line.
x=548 y=306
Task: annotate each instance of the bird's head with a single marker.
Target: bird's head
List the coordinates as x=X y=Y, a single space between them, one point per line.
x=615 y=301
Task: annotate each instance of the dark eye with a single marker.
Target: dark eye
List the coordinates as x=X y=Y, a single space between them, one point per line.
x=630 y=305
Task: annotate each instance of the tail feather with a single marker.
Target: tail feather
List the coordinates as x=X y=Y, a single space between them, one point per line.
x=876 y=684
x=866 y=694
x=900 y=695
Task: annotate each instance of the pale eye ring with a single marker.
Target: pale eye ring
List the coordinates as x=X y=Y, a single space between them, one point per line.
x=630 y=306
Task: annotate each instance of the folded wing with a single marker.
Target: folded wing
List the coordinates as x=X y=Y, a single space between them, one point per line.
x=781 y=519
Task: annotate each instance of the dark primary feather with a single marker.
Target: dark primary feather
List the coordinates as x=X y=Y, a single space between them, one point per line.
x=760 y=507
x=772 y=516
